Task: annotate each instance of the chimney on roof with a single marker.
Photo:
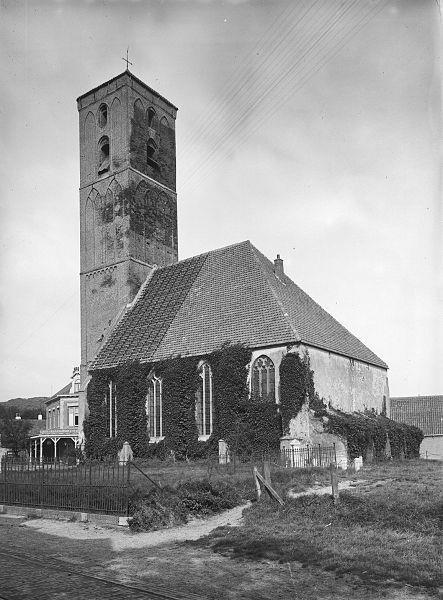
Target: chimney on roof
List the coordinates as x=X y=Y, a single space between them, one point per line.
x=278 y=266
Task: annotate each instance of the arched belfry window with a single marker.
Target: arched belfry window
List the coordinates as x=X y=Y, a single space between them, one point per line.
x=152 y=118
x=151 y=152
x=102 y=115
x=154 y=408
x=203 y=401
x=263 y=380
x=103 y=157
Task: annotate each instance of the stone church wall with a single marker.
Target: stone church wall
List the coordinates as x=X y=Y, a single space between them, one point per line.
x=346 y=384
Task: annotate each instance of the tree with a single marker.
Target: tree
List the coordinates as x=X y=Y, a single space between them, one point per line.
x=14 y=434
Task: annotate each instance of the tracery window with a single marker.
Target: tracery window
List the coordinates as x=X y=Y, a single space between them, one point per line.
x=263 y=380
x=111 y=405
x=203 y=401
x=154 y=408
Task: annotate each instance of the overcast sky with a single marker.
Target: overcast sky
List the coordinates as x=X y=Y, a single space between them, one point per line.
x=309 y=127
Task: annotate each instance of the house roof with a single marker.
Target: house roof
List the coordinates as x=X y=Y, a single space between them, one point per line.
x=63 y=392
x=231 y=295
x=425 y=412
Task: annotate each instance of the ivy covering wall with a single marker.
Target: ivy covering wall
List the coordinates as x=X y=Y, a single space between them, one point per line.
x=248 y=425
x=180 y=380
x=368 y=434
x=297 y=387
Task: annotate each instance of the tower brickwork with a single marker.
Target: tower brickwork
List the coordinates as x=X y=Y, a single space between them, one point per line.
x=128 y=201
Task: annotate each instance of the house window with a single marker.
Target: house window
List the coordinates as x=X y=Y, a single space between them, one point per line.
x=263 y=380
x=203 y=401
x=111 y=404
x=72 y=416
x=103 y=155
x=154 y=408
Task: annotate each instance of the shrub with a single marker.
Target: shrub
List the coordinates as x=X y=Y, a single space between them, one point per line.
x=362 y=432
x=173 y=506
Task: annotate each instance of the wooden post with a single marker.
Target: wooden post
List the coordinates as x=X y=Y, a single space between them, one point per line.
x=334 y=482
x=257 y=483
x=267 y=472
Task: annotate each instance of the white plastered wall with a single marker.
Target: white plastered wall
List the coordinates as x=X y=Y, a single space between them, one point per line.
x=345 y=384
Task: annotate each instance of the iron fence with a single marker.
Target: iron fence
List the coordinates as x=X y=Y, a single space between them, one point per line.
x=309 y=456
x=107 y=487
x=100 y=487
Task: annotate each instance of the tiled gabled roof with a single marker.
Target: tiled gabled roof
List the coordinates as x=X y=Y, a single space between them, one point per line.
x=425 y=412
x=63 y=392
x=227 y=295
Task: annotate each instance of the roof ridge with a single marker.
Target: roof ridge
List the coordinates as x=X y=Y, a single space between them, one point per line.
x=255 y=253
x=204 y=254
x=325 y=312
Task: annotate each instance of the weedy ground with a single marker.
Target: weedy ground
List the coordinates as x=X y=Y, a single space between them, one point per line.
x=387 y=528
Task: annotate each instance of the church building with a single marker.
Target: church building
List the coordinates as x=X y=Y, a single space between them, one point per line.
x=140 y=303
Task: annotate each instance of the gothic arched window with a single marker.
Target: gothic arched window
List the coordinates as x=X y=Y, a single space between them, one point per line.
x=151 y=152
x=154 y=408
x=152 y=118
x=103 y=158
x=263 y=380
x=203 y=401
x=102 y=116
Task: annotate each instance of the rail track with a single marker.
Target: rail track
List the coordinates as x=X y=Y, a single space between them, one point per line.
x=24 y=576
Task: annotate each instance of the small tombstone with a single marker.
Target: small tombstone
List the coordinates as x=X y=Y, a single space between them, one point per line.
x=358 y=463
x=125 y=454
x=223 y=453
x=334 y=482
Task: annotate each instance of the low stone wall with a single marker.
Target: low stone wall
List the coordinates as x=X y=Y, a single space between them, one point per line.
x=63 y=515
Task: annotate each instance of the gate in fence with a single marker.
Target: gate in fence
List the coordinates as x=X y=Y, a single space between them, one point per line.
x=100 y=487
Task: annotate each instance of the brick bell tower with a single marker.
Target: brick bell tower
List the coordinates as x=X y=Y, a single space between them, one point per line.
x=128 y=202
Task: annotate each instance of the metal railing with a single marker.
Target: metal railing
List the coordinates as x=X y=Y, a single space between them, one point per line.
x=309 y=456
x=100 y=487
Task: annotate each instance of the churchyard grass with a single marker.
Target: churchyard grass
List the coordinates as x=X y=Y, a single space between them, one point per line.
x=385 y=529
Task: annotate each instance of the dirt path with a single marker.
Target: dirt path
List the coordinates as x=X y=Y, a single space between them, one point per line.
x=326 y=489
x=122 y=539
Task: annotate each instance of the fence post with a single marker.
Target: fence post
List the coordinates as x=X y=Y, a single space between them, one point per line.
x=334 y=482
x=128 y=483
x=257 y=483
x=267 y=471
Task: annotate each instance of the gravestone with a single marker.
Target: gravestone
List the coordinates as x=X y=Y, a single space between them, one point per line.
x=125 y=454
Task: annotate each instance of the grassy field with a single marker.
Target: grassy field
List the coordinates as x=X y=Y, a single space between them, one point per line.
x=239 y=474
x=384 y=529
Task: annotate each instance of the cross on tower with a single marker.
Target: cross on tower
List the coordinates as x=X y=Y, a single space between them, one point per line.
x=127 y=61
